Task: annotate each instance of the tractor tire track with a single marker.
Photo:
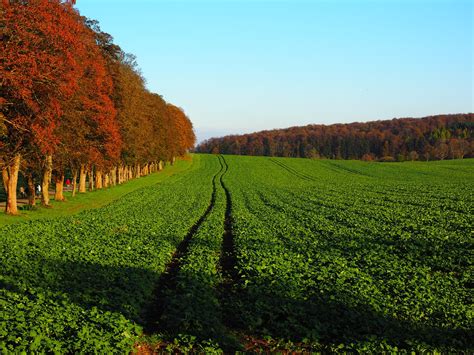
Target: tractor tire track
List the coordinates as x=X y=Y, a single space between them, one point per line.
x=228 y=289
x=167 y=280
x=228 y=260
x=293 y=171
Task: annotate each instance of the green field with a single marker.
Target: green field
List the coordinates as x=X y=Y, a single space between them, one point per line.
x=256 y=253
x=96 y=199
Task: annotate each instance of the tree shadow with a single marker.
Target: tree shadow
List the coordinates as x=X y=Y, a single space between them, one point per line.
x=262 y=309
x=334 y=318
x=122 y=289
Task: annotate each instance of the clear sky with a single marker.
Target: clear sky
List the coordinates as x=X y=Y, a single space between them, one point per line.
x=238 y=66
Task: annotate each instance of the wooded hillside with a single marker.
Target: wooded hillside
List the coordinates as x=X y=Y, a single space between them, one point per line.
x=429 y=138
x=72 y=100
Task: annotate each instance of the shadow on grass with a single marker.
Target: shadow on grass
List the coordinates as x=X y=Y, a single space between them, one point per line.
x=336 y=318
x=122 y=289
x=193 y=309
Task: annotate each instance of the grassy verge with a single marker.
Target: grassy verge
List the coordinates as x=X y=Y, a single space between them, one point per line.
x=94 y=199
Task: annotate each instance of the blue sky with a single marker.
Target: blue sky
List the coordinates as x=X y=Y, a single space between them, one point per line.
x=242 y=66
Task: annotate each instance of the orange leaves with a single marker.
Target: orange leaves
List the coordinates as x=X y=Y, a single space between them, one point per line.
x=67 y=90
x=400 y=139
x=182 y=130
x=39 y=68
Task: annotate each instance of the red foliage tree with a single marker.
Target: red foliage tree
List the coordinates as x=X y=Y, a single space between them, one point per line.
x=89 y=130
x=181 y=134
x=68 y=92
x=434 y=137
x=39 y=71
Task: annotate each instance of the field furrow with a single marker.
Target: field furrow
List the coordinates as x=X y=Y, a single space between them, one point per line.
x=83 y=283
x=252 y=254
x=168 y=281
x=334 y=266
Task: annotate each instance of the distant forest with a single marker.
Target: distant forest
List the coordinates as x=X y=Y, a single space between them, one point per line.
x=429 y=138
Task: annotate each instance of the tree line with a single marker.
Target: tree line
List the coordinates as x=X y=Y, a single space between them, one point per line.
x=72 y=101
x=429 y=138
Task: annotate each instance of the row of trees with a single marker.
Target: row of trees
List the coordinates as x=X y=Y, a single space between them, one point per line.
x=72 y=101
x=435 y=137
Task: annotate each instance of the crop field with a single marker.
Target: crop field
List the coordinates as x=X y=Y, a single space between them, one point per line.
x=256 y=254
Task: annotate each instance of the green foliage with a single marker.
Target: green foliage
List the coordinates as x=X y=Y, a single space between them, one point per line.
x=81 y=283
x=192 y=307
x=90 y=200
x=332 y=256
x=354 y=255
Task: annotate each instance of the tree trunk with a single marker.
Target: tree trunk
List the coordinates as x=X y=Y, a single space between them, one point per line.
x=5 y=179
x=82 y=179
x=91 y=178
x=10 y=181
x=31 y=191
x=98 y=179
x=74 y=182
x=106 y=180
x=114 y=176
x=59 y=192
x=118 y=181
x=46 y=179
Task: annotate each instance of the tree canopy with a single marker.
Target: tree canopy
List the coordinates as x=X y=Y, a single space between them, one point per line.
x=71 y=99
x=434 y=137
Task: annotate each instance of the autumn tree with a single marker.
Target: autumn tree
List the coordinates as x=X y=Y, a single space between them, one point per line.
x=89 y=130
x=181 y=134
x=71 y=101
x=434 y=137
x=38 y=73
